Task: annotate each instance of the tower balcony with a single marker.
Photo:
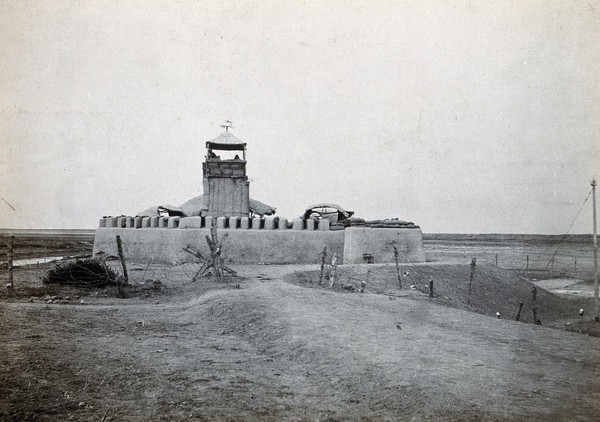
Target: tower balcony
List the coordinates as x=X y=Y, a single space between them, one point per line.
x=224 y=168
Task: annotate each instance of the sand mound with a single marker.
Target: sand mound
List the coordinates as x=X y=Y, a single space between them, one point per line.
x=493 y=289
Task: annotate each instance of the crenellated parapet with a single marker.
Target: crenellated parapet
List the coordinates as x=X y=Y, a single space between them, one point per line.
x=241 y=223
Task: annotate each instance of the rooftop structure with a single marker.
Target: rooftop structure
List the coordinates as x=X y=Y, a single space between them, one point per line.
x=225 y=182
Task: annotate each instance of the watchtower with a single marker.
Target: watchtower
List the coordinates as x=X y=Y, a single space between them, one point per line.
x=225 y=183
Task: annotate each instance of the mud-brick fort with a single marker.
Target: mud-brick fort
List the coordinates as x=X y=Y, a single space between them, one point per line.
x=250 y=232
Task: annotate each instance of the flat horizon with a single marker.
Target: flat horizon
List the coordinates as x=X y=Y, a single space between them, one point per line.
x=4 y=230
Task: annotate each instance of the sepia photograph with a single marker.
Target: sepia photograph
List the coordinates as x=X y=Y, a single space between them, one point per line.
x=344 y=210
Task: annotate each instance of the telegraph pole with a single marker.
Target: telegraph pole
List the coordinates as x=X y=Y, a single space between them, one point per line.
x=597 y=307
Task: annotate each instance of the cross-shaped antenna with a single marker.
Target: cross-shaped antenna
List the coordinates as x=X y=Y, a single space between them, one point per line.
x=228 y=124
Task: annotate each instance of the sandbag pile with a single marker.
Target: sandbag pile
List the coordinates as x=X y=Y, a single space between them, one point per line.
x=391 y=224
x=388 y=223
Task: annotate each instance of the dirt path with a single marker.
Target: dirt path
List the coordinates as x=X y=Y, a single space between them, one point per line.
x=568 y=287
x=274 y=351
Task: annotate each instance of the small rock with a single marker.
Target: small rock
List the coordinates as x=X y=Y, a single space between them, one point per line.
x=81 y=404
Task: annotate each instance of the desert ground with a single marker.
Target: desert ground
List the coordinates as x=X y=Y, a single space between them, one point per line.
x=274 y=344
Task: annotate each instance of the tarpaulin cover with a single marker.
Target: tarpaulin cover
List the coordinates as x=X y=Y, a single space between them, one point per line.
x=199 y=203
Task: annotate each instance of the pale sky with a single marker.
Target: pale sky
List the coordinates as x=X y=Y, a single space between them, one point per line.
x=462 y=116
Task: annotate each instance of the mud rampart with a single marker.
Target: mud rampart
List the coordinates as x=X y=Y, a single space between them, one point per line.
x=254 y=240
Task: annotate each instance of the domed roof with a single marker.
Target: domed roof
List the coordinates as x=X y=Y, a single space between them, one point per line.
x=226 y=141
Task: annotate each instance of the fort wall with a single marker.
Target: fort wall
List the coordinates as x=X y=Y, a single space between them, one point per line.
x=254 y=240
x=239 y=246
x=379 y=244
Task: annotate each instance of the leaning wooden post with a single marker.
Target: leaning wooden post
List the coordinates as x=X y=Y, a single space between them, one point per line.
x=533 y=304
x=333 y=270
x=11 y=243
x=323 y=256
x=122 y=259
x=430 y=288
x=473 y=264
x=398 y=267
x=519 y=311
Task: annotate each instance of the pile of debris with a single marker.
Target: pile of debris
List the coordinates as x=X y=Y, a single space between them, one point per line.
x=82 y=273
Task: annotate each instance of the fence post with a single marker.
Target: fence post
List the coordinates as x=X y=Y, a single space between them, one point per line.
x=519 y=311
x=398 y=267
x=323 y=257
x=333 y=270
x=496 y=260
x=122 y=259
x=363 y=284
x=527 y=267
x=473 y=264
x=533 y=304
x=11 y=243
